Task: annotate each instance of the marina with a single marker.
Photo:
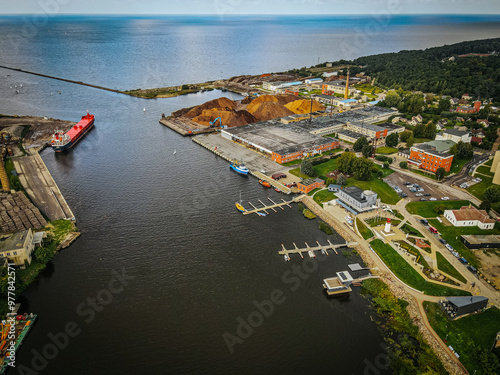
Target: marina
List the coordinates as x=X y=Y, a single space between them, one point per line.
x=308 y=249
x=273 y=206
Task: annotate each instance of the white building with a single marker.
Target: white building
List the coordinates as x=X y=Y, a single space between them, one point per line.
x=18 y=248
x=469 y=217
x=356 y=200
x=454 y=135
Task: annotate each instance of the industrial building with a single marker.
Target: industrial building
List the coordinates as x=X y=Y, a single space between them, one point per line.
x=458 y=306
x=454 y=135
x=489 y=241
x=18 y=247
x=336 y=87
x=309 y=185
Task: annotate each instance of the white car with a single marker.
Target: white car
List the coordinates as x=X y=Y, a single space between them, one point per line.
x=479 y=179
x=449 y=247
x=445 y=199
x=419 y=195
x=432 y=199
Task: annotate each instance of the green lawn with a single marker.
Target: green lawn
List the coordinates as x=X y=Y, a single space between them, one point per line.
x=472 y=336
x=426 y=209
x=375 y=222
x=363 y=230
x=410 y=276
x=452 y=235
x=422 y=140
x=367 y=88
x=293 y=162
x=324 y=168
x=484 y=170
x=312 y=192
x=447 y=268
x=324 y=196
x=456 y=165
x=408 y=229
x=413 y=250
x=397 y=214
x=386 y=150
x=478 y=189
x=489 y=163
x=424 y=173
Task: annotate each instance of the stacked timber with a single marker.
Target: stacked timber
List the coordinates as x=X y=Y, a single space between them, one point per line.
x=18 y=213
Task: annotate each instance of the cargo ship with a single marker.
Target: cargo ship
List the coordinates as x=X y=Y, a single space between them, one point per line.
x=63 y=141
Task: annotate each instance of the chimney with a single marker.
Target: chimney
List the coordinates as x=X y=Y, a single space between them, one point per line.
x=346 y=95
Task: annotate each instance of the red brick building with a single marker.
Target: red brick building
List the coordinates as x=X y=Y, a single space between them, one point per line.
x=309 y=185
x=426 y=157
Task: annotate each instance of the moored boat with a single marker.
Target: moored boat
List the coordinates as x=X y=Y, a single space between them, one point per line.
x=239 y=207
x=63 y=141
x=239 y=168
x=265 y=183
x=311 y=254
x=261 y=213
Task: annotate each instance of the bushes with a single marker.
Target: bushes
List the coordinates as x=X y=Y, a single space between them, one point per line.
x=308 y=214
x=325 y=228
x=403 y=164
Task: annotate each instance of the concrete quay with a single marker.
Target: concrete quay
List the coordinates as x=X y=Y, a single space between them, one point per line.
x=41 y=187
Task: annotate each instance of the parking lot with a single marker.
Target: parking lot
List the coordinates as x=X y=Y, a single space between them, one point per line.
x=396 y=179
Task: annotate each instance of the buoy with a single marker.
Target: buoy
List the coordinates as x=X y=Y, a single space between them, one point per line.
x=144 y=109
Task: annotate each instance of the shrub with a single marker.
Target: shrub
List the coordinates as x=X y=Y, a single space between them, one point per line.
x=308 y=214
x=403 y=164
x=325 y=228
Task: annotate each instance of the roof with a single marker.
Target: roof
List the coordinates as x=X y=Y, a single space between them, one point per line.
x=476 y=139
x=442 y=146
x=278 y=174
x=348 y=101
x=459 y=133
x=464 y=301
x=315 y=80
x=357 y=193
x=310 y=181
x=334 y=186
x=14 y=242
x=374 y=102
x=467 y=213
x=431 y=150
x=481 y=239
x=38 y=237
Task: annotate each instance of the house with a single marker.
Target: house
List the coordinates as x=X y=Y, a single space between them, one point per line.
x=356 y=200
x=469 y=216
x=439 y=126
x=18 y=248
x=466 y=97
x=454 y=135
x=476 y=140
x=396 y=119
x=478 y=133
x=461 y=128
x=310 y=81
x=418 y=119
x=454 y=101
x=463 y=102
x=309 y=185
x=334 y=188
x=336 y=87
x=485 y=123
x=458 y=306
x=426 y=156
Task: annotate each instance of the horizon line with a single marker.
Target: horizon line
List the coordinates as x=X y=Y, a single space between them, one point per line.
x=253 y=15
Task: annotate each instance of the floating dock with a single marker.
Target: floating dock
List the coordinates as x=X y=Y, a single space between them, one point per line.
x=185 y=126
x=272 y=206
x=323 y=248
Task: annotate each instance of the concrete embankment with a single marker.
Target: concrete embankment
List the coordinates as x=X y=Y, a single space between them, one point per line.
x=41 y=187
x=185 y=127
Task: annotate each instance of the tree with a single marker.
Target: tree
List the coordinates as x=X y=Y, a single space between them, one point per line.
x=403 y=164
x=345 y=163
x=419 y=131
x=341 y=180
x=462 y=151
x=359 y=144
x=430 y=131
x=410 y=142
x=367 y=150
x=485 y=205
x=492 y=193
x=440 y=172
x=392 y=140
x=386 y=165
x=444 y=105
x=392 y=99
x=404 y=136
x=389 y=160
x=429 y=98
x=329 y=181
x=44 y=254
x=307 y=168
x=363 y=169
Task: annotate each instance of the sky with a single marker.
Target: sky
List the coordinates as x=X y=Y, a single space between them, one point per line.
x=218 y=7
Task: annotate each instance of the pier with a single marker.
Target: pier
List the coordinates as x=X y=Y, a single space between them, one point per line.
x=323 y=248
x=272 y=206
x=185 y=126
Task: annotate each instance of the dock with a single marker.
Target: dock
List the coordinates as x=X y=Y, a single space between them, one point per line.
x=272 y=206
x=41 y=187
x=185 y=126
x=323 y=248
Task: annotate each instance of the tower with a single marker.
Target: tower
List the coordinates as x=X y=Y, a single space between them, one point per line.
x=387 y=228
x=346 y=95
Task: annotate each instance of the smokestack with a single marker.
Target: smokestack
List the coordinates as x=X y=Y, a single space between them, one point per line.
x=346 y=95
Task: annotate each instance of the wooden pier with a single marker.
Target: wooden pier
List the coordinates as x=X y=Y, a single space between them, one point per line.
x=323 y=248
x=272 y=206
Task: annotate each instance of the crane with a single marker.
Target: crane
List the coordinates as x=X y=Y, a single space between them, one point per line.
x=212 y=123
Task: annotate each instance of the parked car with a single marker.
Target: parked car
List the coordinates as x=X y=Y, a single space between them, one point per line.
x=463 y=260
x=418 y=194
x=432 y=199
x=423 y=221
x=455 y=254
x=403 y=195
x=479 y=179
x=449 y=247
x=445 y=199
x=423 y=199
x=443 y=241
x=413 y=190
x=427 y=195
x=433 y=230
x=406 y=183
x=421 y=190
x=471 y=269
x=465 y=185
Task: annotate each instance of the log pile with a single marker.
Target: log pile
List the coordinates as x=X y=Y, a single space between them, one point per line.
x=18 y=213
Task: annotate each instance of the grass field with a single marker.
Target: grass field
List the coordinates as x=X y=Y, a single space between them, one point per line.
x=408 y=229
x=456 y=165
x=413 y=250
x=472 y=336
x=374 y=222
x=426 y=209
x=485 y=170
x=386 y=150
x=447 y=268
x=409 y=275
x=323 y=196
x=478 y=189
x=363 y=230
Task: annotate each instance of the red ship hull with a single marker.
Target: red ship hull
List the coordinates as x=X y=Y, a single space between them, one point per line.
x=70 y=138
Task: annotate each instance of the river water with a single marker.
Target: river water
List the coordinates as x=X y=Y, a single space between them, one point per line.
x=195 y=268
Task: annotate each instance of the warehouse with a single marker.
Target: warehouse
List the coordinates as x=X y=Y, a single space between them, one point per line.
x=481 y=241
x=458 y=306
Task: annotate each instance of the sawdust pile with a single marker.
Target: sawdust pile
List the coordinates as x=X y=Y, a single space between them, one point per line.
x=228 y=118
x=304 y=106
x=270 y=110
x=222 y=103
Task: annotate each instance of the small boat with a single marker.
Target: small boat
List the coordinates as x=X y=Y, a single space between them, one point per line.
x=278 y=190
x=261 y=213
x=265 y=183
x=239 y=207
x=175 y=152
x=239 y=168
x=287 y=257
x=311 y=254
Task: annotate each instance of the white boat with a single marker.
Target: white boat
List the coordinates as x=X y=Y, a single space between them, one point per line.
x=175 y=152
x=287 y=257
x=311 y=254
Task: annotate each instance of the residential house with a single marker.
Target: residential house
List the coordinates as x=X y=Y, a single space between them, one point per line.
x=466 y=97
x=454 y=101
x=476 y=140
x=454 y=135
x=469 y=216
x=485 y=123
